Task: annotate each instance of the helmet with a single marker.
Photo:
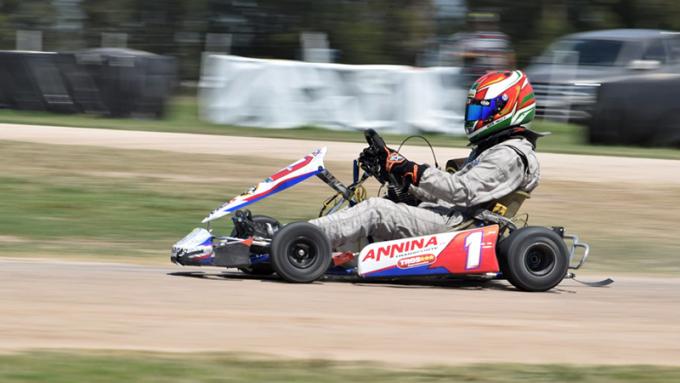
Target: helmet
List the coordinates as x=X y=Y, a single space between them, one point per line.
x=497 y=101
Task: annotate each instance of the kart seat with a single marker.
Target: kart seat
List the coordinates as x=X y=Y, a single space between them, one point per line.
x=506 y=206
x=509 y=205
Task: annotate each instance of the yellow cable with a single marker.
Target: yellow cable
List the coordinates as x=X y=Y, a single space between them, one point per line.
x=358 y=196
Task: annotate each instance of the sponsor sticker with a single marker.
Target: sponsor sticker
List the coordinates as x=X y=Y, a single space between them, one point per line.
x=396 y=157
x=416 y=260
x=399 y=248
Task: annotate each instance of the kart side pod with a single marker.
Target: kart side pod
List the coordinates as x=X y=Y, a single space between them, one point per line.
x=531 y=258
x=459 y=252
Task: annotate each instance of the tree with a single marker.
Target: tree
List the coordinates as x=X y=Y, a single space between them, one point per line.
x=25 y=14
x=533 y=24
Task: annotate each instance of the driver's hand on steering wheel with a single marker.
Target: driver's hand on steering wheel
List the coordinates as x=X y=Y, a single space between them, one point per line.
x=404 y=171
x=372 y=161
x=386 y=162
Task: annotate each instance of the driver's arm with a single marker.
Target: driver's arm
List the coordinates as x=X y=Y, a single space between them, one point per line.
x=453 y=165
x=497 y=174
x=421 y=194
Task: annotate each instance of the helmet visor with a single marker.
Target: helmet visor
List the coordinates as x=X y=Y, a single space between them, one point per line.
x=480 y=109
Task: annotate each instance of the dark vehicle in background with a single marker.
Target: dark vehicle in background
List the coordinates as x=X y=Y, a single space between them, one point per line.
x=641 y=111
x=568 y=75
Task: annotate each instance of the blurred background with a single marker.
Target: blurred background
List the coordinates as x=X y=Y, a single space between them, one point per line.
x=423 y=32
x=408 y=65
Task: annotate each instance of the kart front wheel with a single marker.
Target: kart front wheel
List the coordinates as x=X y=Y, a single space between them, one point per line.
x=300 y=252
x=533 y=258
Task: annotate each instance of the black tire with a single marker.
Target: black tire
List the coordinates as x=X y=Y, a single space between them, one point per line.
x=260 y=268
x=300 y=252
x=533 y=258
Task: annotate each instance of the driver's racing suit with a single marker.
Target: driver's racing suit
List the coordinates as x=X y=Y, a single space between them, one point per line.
x=446 y=198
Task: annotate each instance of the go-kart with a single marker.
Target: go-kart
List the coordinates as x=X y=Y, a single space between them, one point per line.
x=494 y=243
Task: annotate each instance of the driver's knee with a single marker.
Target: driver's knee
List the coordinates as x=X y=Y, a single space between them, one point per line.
x=380 y=210
x=378 y=204
x=383 y=218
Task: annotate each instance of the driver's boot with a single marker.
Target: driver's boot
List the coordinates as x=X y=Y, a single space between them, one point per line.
x=245 y=227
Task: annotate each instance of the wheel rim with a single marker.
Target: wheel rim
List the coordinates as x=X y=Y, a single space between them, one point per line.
x=302 y=253
x=540 y=259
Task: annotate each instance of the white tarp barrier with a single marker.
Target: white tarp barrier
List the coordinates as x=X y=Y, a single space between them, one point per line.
x=286 y=94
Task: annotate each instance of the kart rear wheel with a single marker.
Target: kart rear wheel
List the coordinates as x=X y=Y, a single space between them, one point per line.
x=300 y=252
x=260 y=268
x=533 y=258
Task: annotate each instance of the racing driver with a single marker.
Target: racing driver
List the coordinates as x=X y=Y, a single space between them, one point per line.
x=500 y=107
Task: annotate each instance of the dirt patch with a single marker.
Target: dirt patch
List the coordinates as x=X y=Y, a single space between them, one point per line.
x=12 y=239
x=48 y=304
x=581 y=168
x=623 y=207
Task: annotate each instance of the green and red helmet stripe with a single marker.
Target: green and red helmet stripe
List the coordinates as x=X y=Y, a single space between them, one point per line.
x=513 y=85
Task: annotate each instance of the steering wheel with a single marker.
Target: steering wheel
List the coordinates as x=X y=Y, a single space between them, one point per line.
x=371 y=158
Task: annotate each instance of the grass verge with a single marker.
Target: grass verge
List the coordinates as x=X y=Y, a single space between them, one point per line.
x=103 y=367
x=132 y=205
x=84 y=201
x=183 y=114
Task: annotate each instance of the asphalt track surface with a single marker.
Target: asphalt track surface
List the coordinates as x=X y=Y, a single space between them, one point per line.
x=53 y=304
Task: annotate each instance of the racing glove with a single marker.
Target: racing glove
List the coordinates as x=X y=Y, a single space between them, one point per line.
x=388 y=162
x=406 y=172
x=373 y=162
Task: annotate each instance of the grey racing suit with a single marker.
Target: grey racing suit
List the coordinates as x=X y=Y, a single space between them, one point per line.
x=496 y=172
